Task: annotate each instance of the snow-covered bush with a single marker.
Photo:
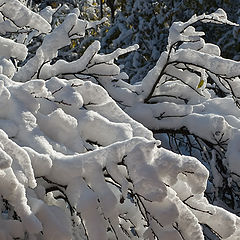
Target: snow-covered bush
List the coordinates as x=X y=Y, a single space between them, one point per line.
x=74 y=165
x=190 y=100
x=146 y=23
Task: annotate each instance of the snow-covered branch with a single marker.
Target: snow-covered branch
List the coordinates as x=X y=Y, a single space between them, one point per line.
x=74 y=165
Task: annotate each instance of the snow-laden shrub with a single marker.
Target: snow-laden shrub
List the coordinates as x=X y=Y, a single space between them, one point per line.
x=190 y=100
x=147 y=22
x=74 y=165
